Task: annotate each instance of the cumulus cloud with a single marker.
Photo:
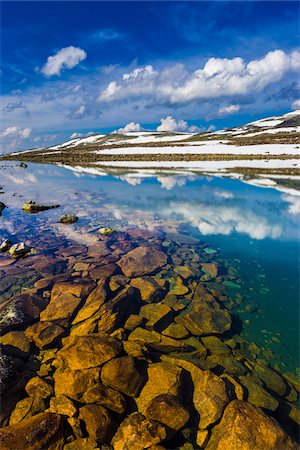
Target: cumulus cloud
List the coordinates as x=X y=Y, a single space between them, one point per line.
x=13 y=137
x=169 y=124
x=66 y=58
x=75 y=135
x=296 y=104
x=219 y=77
x=227 y=110
x=130 y=127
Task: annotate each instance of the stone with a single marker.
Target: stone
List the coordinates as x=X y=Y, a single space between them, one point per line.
x=19 y=310
x=75 y=424
x=44 y=334
x=167 y=410
x=98 y=422
x=125 y=374
x=176 y=303
x=84 y=352
x=95 y=299
x=209 y=397
x=138 y=433
x=82 y=444
x=257 y=395
x=133 y=321
x=8 y=371
x=68 y=219
x=204 y=315
x=163 y=378
x=215 y=345
x=19 y=250
x=142 y=261
x=74 y=383
x=272 y=379
x=175 y=331
x=157 y=314
x=156 y=340
x=36 y=433
x=79 y=288
x=234 y=389
x=62 y=405
x=26 y=408
x=33 y=207
x=103 y=271
x=105 y=396
x=5 y=245
x=150 y=290
x=177 y=287
x=202 y=438
x=116 y=282
x=245 y=427
x=37 y=387
x=184 y=271
x=134 y=349
x=210 y=269
x=61 y=309
x=16 y=339
x=106 y=231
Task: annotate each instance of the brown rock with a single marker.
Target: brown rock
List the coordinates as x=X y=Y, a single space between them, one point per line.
x=103 y=271
x=272 y=379
x=26 y=408
x=75 y=424
x=44 y=334
x=210 y=269
x=62 y=405
x=175 y=331
x=16 y=339
x=150 y=291
x=95 y=299
x=105 y=396
x=245 y=427
x=84 y=352
x=36 y=433
x=257 y=395
x=126 y=374
x=79 y=288
x=133 y=321
x=184 y=271
x=98 y=422
x=61 y=309
x=116 y=282
x=157 y=314
x=75 y=383
x=156 y=340
x=167 y=410
x=142 y=261
x=37 y=387
x=82 y=444
x=138 y=433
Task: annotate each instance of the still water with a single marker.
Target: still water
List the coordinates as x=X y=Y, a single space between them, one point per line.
x=255 y=230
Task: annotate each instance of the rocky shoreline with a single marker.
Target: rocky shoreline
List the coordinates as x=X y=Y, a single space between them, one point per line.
x=131 y=343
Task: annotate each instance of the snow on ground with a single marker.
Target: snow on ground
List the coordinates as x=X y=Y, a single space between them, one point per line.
x=206 y=147
x=78 y=141
x=275 y=131
x=270 y=122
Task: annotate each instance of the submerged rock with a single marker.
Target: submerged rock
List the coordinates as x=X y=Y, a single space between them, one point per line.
x=126 y=374
x=5 y=245
x=19 y=250
x=68 y=219
x=98 y=422
x=27 y=408
x=246 y=427
x=105 y=396
x=150 y=290
x=168 y=410
x=74 y=383
x=44 y=334
x=33 y=207
x=37 y=387
x=19 y=310
x=142 y=261
x=106 y=231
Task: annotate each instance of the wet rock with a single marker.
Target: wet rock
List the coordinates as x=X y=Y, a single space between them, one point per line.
x=134 y=349
x=5 y=245
x=19 y=250
x=234 y=389
x=33 y=207
x=79 y=288
x=44 y=334
x=133 y=321
x=116 y=282
x=271 y=379
x=155 y=340
x=167 y=410
x=105 y=396
x=209 y=397
x=74 y=383
x=37 y=387
x=175 y=331
x=202 y=438
x=177 y=287
x=84 y=352
x=245 y=427
x=61 y=309
x=37 y=432
x=184 y=271
x=82 y=444
x=68 y=219
x=124 y=374
x=98 y=422
x=2 y=207
x=106 y=231
x=215 y=345
x=95 y=299
x=142 y=261
x=27 y=408
x=176 y=303
x=23 y=165
x=210 y=269
x=150 y=290
x=62 y=405
x=257 y=395
x=163 y=378
x=19 y=310
x=17 y=340
x=138 y=433
x=103 y=271
x=75 y=424
x=204 y=316
x=8 y=371
x=157 y=314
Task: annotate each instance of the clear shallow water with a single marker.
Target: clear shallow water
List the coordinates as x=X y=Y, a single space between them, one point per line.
x=255 y=230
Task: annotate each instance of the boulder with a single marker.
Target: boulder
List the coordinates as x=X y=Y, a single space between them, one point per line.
x=157 y=314
x=17 y=340
x=82 y=444
x=19 y=250
x=78 y=287
x=175 y=331
x=210 y=269
x=98 y=423
x=74 y=383
x=37 y=432
x=61 y=309
x=84 y=352
x=95 y=299
x=33 y=207
x=257 y=395
x=62 y=405
x=19 y=311
x=44 y=334
x=167 y=410
x=5 y=245
x=245 y=427
x=68 y=219
x=184 y=271
x=37 y=387
x=133 y=321
x=126 y=374
x=142 y=261
x=138 y=433
x=8 y=371
x=150 y=290
x=272 y=379
x=105 y=396
x=26 y=408
x=155 y=340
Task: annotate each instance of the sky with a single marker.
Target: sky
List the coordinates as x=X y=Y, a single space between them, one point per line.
x=73 y=68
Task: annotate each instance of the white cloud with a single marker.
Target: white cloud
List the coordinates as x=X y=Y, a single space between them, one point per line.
x=16 y=132
x=170 y=124
x=296 y=104
x=66 y=58
x=227 y=110
x=130 y=127
x=75 y=135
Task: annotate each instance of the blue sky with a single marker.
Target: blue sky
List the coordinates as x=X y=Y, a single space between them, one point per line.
x=77 y=67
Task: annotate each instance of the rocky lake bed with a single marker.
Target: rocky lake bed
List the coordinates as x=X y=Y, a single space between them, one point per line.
x=122 y=329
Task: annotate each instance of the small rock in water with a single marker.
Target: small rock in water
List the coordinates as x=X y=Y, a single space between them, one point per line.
x=33 y=207
x=23 y=165
x=19 y=250
x=68 y=219
x=106 y=231
x=5 y=246
x=2 y=206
